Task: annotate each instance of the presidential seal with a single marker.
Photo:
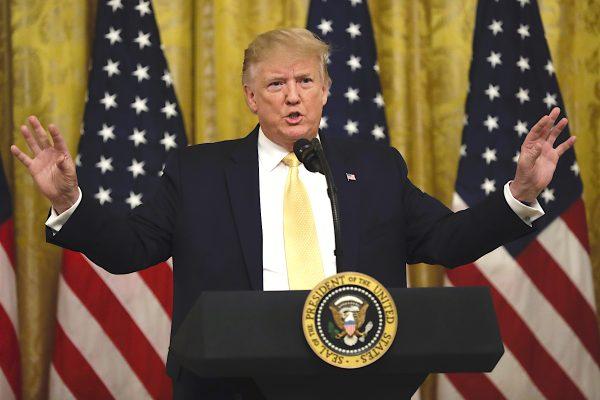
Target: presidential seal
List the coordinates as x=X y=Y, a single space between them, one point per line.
x=349 y=320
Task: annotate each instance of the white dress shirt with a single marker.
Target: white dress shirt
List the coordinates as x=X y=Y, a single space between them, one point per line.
x=272 y=174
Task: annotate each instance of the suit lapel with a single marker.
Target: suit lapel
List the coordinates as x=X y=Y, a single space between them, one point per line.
x=244 y=192
x=349 y=201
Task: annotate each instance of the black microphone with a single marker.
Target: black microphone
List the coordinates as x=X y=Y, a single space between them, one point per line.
x=311 y=154
x=307 y=154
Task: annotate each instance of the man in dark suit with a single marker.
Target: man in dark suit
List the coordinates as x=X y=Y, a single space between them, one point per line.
x=222 y=209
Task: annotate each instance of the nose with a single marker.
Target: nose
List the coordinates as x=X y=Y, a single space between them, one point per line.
x=292 y=96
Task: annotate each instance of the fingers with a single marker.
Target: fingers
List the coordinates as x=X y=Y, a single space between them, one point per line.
x=566 y=145
x=61 y=164
x=40 y=133
x=543 y=127
x=556 y=130
x=31 y=142
x=25 y=160
x=553 y=116
x=59 y=142
x=538 y=129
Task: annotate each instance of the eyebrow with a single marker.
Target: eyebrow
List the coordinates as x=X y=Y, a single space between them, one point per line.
x=276 y=77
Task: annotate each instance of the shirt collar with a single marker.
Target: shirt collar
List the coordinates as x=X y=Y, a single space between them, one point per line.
x=270 y=153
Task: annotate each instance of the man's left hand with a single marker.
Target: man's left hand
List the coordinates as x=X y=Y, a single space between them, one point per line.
x=538 y=157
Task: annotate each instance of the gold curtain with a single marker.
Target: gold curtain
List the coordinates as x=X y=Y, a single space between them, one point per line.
x=424 y=53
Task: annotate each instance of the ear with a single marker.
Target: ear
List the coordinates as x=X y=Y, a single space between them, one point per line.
x=250 y=99
x=325 y=94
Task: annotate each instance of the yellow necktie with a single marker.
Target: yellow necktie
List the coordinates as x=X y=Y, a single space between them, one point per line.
x=302 y=254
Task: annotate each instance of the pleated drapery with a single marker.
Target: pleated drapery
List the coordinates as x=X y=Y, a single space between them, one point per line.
x=424 y=50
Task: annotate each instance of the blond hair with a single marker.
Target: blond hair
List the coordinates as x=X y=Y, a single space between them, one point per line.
x=297 y=41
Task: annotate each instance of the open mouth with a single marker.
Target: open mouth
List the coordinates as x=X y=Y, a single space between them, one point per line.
x=293 y=117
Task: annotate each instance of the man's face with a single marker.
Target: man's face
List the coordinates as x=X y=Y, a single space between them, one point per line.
x=287 y=94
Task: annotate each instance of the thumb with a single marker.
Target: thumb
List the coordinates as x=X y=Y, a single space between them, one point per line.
x=62 y=164
x=532 y=155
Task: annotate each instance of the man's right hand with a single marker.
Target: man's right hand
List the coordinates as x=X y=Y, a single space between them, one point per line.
x=51 y=167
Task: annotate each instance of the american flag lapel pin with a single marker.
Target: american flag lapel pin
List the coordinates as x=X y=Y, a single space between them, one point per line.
x=350 y=177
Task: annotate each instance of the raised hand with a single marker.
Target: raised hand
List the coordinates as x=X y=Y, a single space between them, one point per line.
x=538 y=158
x=51 y=167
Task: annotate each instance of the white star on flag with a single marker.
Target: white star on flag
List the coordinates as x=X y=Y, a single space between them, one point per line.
x=325 y=26
x=549 y=67
x=378 y=99
x=522 y=95
x=111 y=68
x=523 y=31
x=493 y=91
x=463 y=150
x=378 y=132
x=144 y=8
x=105 y=164
x=353 y=30
x=143 y=39
x=137 y=168
x=168 y=141
x=355 y=2
x=169 y=110
x=352 y=95
x=491 y=123
x=489 y=155
x=109 y=101
x=114 y=4
x=516 y=157
x=323 y=122
x=488 y=186
x=353 y=62
x=141 y=73
x=523 y=2
x=166 y=78
x=550 y=100
x=140 y=105
x=107 y=132
x=496 y=27
x=494 y=59
x=103 y=195
x=523 y=63
x=134 y=199
x=351 y=127
x=113 y=35
x=575 y=168
x=521 y=128
x=138 y=137
x=548 y=195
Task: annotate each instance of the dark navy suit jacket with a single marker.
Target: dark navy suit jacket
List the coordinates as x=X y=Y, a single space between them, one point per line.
x=206 y=215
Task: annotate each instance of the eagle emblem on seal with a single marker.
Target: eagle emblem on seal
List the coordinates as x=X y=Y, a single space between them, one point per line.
x=349 y=314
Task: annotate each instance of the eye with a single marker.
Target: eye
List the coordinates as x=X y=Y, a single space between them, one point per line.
x=307 y=80
x=276 y=84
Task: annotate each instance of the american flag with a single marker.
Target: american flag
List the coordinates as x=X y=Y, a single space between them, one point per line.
x=355 y=105
x=542 y=284
x=10 y=371
x=112 y=331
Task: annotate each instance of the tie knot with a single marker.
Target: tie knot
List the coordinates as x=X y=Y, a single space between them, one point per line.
x=290 y=160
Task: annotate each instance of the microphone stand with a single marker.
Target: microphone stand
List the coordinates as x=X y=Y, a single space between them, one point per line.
x=332 y=193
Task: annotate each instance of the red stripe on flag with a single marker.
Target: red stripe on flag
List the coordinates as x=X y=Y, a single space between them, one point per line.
x=9 y=353
x=562 y=293
x=544 y=371
x=118 y=324
x=160 y=280
x=75 y=371
x=574 y=217
x=475 y=386
x=7 y=239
